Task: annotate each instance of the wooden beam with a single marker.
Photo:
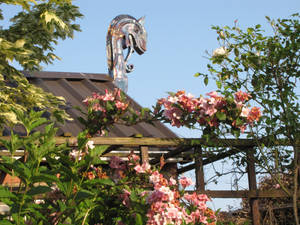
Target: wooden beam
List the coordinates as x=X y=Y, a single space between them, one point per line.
x=158 y=142
x=254 y=202
x=211 y=159
x=245 y=194
x=199 y=173
x=144 y=154
x=171 y=153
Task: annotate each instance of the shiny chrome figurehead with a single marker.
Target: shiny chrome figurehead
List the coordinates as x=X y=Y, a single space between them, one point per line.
x=124 y=32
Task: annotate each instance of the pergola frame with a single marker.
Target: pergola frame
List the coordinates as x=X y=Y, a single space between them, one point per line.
x=201 y=158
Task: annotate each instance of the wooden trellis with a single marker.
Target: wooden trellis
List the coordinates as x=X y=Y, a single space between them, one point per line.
x=189 y=150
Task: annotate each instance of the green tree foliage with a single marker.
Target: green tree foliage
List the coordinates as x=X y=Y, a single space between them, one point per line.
x=267 y=67
x=29 y=41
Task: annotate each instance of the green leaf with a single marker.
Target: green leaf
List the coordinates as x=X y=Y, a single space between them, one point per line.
x=50 y=16
x=39 y=190
x=83 y=194
x=138 y=219
x=206 y=81
x=5 y=222
x=38 y=122
x=219 y=84
x=96 y=181
x=82 y=140
x=221 y=116
x=44 y=178
x=5 y=193
x=98 y=150
x=236 y=52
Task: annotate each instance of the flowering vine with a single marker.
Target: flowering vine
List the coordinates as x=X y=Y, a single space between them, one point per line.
x=110 y=108
x=162 y=200
x=181 y=109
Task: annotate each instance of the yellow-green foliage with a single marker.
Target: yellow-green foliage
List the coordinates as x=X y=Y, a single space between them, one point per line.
x=29 y=41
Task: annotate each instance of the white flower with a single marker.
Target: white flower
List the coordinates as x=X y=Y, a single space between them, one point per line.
x=220 y=52
x=76 y=155
x=90 y=144
x=245 y=111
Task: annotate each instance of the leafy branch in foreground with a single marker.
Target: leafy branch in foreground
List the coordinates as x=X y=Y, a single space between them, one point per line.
x=28 y=42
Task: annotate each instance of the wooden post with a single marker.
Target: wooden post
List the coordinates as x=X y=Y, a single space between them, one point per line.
x=298 y=164
x=200 y=185
x=254 y=203
x=144 y=154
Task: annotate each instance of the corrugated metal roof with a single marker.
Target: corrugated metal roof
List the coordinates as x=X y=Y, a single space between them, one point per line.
x=75 y=87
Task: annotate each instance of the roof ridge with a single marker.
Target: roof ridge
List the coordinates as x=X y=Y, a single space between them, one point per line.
x=66 y=75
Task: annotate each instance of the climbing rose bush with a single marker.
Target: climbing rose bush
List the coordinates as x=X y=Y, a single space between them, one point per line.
x=104 y=110
x=181 y=109
x=112 y=107
x=161 y=200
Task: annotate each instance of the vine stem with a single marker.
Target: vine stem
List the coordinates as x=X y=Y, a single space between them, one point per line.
x=85 y=216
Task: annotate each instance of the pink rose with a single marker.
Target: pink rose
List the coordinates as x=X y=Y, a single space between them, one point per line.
x=185 y=182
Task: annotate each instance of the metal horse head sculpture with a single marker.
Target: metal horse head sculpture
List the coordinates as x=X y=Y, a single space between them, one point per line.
x=124 y=32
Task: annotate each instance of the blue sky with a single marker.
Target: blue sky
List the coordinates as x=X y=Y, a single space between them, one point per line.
x=179 y=33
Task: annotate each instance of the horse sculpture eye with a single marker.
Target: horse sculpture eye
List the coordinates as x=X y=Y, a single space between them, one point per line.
x=124 y=32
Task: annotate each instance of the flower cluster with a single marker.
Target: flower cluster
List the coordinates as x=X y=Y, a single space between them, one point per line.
x=222 y=51
x=104 y=110
x=165 y=203
x=76 y=154
x=181 y=109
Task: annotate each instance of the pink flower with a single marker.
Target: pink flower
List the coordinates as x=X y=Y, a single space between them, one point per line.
x=168 y=193
x=144 y=193
x=245 y=112
x=87 y=101
x=139 y=169
x=174 y=115
x=117 y=163
x=173 y=213
x=145 y=167
x=125 y=197
x=154 y=196
x=133 y=158
x=254 y=114
x=213 y=94
x=172 y=182
x=172 y=99
x=90 y=144
x=185 y=182
x=155 y=177
x=241 y=96
x=96 y=107
x=210 y=110
x=121 y=105
x=107 y=96
x=75 y=154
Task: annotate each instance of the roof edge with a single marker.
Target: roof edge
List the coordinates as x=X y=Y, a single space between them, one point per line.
x=66 y=75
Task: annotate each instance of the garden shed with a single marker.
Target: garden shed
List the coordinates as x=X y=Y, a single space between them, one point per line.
x=75 y=87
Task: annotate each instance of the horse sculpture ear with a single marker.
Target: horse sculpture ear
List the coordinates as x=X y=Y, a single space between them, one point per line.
x=142 y=20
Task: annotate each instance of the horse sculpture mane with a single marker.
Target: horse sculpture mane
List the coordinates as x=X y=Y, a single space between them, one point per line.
x=124 y=32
